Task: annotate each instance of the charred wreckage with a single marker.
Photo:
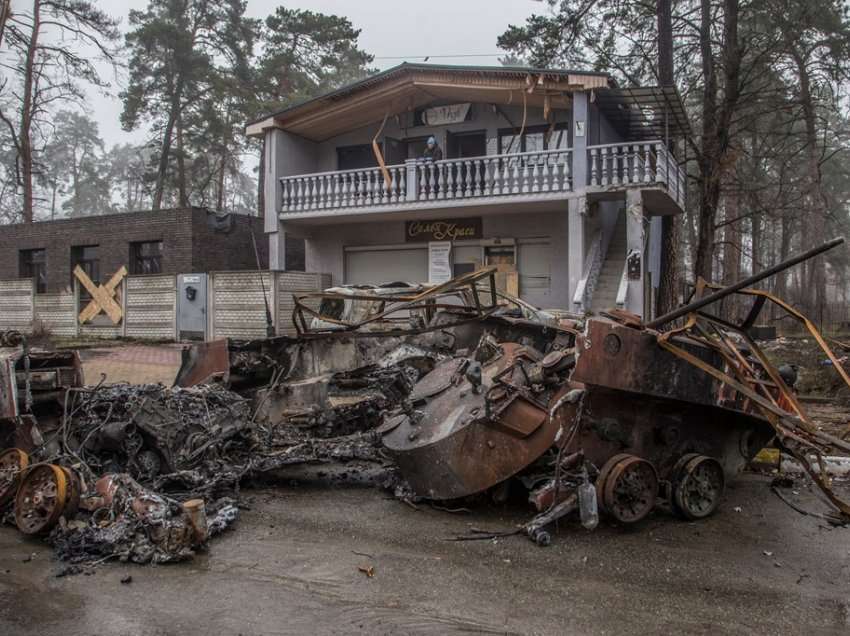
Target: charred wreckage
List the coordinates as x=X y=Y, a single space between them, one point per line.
x=436 y=392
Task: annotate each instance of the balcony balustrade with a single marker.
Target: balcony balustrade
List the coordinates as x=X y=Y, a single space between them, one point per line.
x=519 y=176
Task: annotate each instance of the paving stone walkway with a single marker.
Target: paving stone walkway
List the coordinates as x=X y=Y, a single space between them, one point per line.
x=138 y=364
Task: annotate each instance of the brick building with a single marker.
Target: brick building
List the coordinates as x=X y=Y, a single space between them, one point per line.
x=166 y=241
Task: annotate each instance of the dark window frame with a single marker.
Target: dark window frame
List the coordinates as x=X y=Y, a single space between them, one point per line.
x=145 y=263
x=531 y=130
x=34 y=269
x=89 y=263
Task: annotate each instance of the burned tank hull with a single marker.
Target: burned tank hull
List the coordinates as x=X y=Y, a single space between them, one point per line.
x=469 y=430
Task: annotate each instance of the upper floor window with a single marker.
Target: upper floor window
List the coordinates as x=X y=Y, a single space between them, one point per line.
x=33 y=264
x=534 y=139
x=146 y=257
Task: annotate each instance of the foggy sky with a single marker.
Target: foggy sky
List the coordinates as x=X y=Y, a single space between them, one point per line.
x=389 y=28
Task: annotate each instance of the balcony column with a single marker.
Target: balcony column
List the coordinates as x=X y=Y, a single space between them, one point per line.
x=412 y=180
x=635 y=242
x=577 y=211
x=273 y=197
x=277 y=249
x=580 y=123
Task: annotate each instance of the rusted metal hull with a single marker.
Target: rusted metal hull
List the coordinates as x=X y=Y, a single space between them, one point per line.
x=461 y=445
x=662 y=431
x=616 y=356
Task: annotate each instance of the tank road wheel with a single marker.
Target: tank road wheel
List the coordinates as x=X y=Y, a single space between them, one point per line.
x=627 y=488
x=13 y=462
x=697 y=487
x=46 y=492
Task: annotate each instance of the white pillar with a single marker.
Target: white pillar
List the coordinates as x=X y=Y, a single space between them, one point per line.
x=277 y=250
x=577 y=212
x=635 y=242
x=273 y=199
x=580 y=131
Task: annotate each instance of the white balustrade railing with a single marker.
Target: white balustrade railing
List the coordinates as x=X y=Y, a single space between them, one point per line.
x=344 y=189
x=636 y=164
x=529 y=174
x=592 y=266
x=495 y=175
x=623 y=287
x=525 y=173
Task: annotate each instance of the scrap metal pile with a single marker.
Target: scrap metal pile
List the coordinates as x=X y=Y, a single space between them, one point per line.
x=438 y=392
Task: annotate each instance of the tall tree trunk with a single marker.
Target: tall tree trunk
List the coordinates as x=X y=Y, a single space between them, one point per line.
x=25 y=134
x=717 y=124
x=814 y=292
x=162 y=169
x=165 y=150
x=667 y=297
x=758 y=248
x=786 y=229
x=731 y=248
x=181 y=166
x=219 y=202
x=708 y=190
x=5 y=11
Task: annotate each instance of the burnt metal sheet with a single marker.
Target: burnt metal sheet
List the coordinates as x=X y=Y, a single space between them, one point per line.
x=616 y=356
x=203 y=362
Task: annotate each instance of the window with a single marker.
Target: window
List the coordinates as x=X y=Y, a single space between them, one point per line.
x=146 y=257
x=85 y=256
x=33 y=264
x=534 y=139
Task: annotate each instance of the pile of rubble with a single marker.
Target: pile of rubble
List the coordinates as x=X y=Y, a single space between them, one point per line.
x=438 y=393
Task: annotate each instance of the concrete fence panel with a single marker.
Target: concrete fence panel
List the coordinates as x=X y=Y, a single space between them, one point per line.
x=16 y=304
x=236 y=305
x=57 y=312
x=150 y=307
x=291 y=284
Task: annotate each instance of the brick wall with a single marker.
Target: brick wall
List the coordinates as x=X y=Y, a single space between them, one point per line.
x=226 y=244
x=112 y=233
x=191 y=242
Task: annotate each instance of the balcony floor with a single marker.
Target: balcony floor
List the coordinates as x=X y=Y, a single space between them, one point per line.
x=473 y=206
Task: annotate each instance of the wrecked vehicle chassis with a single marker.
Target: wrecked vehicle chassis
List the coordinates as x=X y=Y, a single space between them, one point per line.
x=645 y=401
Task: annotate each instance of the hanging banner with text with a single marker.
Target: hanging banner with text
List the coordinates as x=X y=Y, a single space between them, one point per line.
x=444 y=115
x=443 y=230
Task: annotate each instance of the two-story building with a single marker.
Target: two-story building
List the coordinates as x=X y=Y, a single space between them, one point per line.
x=558 y=175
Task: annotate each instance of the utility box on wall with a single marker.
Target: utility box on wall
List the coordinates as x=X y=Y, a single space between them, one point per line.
x=192 y=306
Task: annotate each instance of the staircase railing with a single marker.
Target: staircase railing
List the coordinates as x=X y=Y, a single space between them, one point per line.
x=592 y=268
x=623 y=289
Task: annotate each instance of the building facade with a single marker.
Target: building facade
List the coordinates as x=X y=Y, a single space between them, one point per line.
x=161 y=242
x=558 y=176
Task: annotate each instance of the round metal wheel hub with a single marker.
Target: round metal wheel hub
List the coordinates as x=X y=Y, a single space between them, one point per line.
x=698 y=487
x=45 y=494
x=627 y=488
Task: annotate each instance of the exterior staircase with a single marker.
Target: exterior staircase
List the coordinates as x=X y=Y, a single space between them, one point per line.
x=605 y=292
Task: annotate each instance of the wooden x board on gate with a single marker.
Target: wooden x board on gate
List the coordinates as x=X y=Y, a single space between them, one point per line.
x=102 y=296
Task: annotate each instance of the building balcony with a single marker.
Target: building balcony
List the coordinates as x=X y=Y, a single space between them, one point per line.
x=524 y=177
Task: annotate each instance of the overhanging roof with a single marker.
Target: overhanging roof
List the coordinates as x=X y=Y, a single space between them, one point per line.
x=409 y=86
x=645 y=112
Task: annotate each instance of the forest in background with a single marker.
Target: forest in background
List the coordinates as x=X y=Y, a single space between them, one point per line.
x=195 y=71
x=764 y=82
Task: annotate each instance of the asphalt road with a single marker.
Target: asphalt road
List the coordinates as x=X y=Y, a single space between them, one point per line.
x=290 y=566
